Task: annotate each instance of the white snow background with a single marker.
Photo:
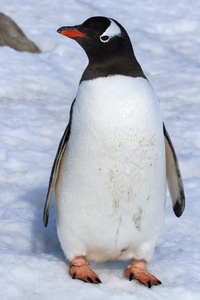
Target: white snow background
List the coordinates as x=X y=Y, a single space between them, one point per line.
x=36 y=91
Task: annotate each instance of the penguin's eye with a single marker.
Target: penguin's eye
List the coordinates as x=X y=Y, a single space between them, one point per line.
x=104 y=38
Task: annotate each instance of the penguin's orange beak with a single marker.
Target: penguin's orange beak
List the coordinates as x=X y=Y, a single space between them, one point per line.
x=71 y=32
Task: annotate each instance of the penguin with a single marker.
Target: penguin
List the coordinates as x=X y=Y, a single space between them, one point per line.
x=112 y=163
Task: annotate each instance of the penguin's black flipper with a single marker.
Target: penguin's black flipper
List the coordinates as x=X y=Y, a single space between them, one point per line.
x=55 y=169
x=174 y=179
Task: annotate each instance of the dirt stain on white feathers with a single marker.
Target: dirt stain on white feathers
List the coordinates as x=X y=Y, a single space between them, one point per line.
x=124 y=250
x=137 y=218
x=117 y=232
x=117 y=186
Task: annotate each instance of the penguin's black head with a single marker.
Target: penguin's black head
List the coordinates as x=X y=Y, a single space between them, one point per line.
x=100 y=37
x=107 y=46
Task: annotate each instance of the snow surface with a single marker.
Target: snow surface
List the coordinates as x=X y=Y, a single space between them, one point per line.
x=35 y=95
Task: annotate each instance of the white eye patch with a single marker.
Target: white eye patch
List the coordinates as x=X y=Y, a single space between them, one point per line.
x=112 y=30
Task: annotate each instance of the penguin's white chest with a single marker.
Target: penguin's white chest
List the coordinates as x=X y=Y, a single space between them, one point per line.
x=110 y=192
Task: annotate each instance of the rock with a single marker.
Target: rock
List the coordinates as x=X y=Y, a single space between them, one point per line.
x=11 y=35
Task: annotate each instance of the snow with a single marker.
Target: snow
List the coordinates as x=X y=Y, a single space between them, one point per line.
x=35 y=95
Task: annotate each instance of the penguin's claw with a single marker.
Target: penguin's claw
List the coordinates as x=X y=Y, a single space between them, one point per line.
x=79 y=270
x=90 y=280
x=137 y=270
x=98 y=280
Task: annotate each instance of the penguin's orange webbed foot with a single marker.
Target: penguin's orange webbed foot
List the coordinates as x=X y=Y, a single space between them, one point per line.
x=137 y=270
x=79 y=270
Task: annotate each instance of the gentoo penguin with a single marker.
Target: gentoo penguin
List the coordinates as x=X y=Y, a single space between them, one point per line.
x=110 y=169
